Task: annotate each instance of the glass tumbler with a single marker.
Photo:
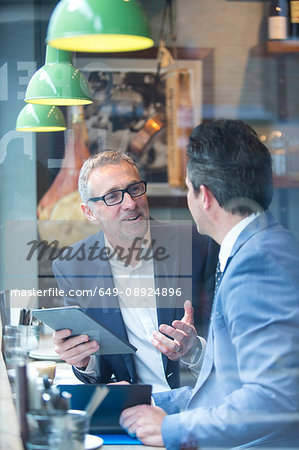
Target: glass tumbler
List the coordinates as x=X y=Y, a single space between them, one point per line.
x=14 y=351
x=29 y=335
x=59 y=430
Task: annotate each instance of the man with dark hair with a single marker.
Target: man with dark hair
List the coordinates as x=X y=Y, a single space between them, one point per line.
x=247 y=393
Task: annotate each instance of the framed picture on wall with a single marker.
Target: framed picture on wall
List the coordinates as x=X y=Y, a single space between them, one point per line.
x=129 y=112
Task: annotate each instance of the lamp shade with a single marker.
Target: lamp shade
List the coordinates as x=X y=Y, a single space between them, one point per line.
x=58 y=82
x=40 y=118
x=99 y=26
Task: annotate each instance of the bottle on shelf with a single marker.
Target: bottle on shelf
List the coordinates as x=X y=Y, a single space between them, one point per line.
x=294 y=19
x=278 y=20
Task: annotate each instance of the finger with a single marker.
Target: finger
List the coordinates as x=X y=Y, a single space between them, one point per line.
x=189 y=313
x=131 y=418
x=118 y=382
x=59 y=336
x=164 y=350
x=173 y=345
x=184 y=327
x=70 y=343
x=77 y=354
x=129 y=423
x=127 y=416
x=172 y=332
x=79 y=360
x=81 y=348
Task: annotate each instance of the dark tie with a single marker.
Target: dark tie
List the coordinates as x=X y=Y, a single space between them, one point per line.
x=218 y=276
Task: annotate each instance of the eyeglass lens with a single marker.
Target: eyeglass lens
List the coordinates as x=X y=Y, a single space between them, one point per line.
x=117 y=196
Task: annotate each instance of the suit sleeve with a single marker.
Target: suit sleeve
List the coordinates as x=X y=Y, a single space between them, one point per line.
x=173 y=401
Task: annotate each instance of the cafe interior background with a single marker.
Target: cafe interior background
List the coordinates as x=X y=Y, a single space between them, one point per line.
x=214 y=60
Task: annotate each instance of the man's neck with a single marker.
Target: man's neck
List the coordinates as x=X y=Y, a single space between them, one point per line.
x=128 y=251
x=227 y=221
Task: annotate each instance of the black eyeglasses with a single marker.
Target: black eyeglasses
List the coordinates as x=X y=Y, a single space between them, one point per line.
x=116 y=197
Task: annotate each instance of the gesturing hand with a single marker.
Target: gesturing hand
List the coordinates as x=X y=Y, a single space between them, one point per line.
x=184 y=338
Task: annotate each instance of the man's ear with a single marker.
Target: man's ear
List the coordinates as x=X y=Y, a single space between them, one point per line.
x=88 y=213
x=206 y=196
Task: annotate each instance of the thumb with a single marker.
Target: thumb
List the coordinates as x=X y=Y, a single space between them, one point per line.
x=189 y=313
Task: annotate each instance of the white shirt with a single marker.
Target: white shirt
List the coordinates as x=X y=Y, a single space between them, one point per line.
x=231 y=237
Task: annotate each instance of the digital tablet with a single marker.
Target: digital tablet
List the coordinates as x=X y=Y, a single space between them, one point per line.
x=105 y=419
x=79 y=322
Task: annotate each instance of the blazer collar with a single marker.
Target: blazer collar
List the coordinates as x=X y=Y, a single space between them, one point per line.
x=260 y=223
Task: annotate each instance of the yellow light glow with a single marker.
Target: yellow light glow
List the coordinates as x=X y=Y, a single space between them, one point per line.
x=103 y=43
x=41 y=129
x=154 y=124
x=58 y=101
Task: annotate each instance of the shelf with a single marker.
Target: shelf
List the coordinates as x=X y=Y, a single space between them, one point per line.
x=167 y=202
x=286 y=182
x=275 y=48
x=160 y=195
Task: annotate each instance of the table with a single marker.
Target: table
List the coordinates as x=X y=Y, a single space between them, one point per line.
x=10 y=438
x=9 y=427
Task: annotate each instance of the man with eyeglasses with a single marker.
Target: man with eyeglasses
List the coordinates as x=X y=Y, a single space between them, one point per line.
x=134 y=265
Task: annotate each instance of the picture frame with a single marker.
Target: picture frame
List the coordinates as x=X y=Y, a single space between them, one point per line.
x=129 y=91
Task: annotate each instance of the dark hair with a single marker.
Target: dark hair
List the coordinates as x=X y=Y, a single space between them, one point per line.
x=228 y=158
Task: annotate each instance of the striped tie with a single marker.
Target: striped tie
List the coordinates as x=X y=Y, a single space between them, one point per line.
x=218 y=276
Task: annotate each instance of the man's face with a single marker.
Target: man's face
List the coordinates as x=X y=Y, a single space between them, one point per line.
x=124 y=222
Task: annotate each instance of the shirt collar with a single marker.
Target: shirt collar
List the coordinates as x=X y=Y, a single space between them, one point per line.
x=115 y=261
x=231 y=237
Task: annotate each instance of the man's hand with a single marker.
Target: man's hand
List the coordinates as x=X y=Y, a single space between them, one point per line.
x=75 y=350
x=183 y=333
x=144 y=422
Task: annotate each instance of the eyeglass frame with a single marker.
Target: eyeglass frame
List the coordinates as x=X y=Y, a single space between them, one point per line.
x=123 y=191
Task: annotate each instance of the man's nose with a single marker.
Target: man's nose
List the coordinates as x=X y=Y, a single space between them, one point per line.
x=128 y=201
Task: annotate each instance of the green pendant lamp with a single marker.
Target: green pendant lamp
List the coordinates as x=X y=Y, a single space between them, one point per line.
x=58 y=82
x=40 y=118
x=99 y=26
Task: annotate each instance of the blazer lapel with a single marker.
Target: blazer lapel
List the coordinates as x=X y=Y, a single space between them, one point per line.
x=165 y=277
x=171 y=273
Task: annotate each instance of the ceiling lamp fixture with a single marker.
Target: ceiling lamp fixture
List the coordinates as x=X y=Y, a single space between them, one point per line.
x=99 y=26
x=40 y=118
x=58 y=82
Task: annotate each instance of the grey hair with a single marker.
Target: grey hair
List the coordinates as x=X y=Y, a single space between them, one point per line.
x=100 y=160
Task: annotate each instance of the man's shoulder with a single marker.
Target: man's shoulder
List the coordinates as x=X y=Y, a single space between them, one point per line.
x=266 y=239
x=265 y=230
x=80 y=250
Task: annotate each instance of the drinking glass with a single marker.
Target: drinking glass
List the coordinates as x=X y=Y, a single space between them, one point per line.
x=14 y=351
x=29 y=335
x=57 y=431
